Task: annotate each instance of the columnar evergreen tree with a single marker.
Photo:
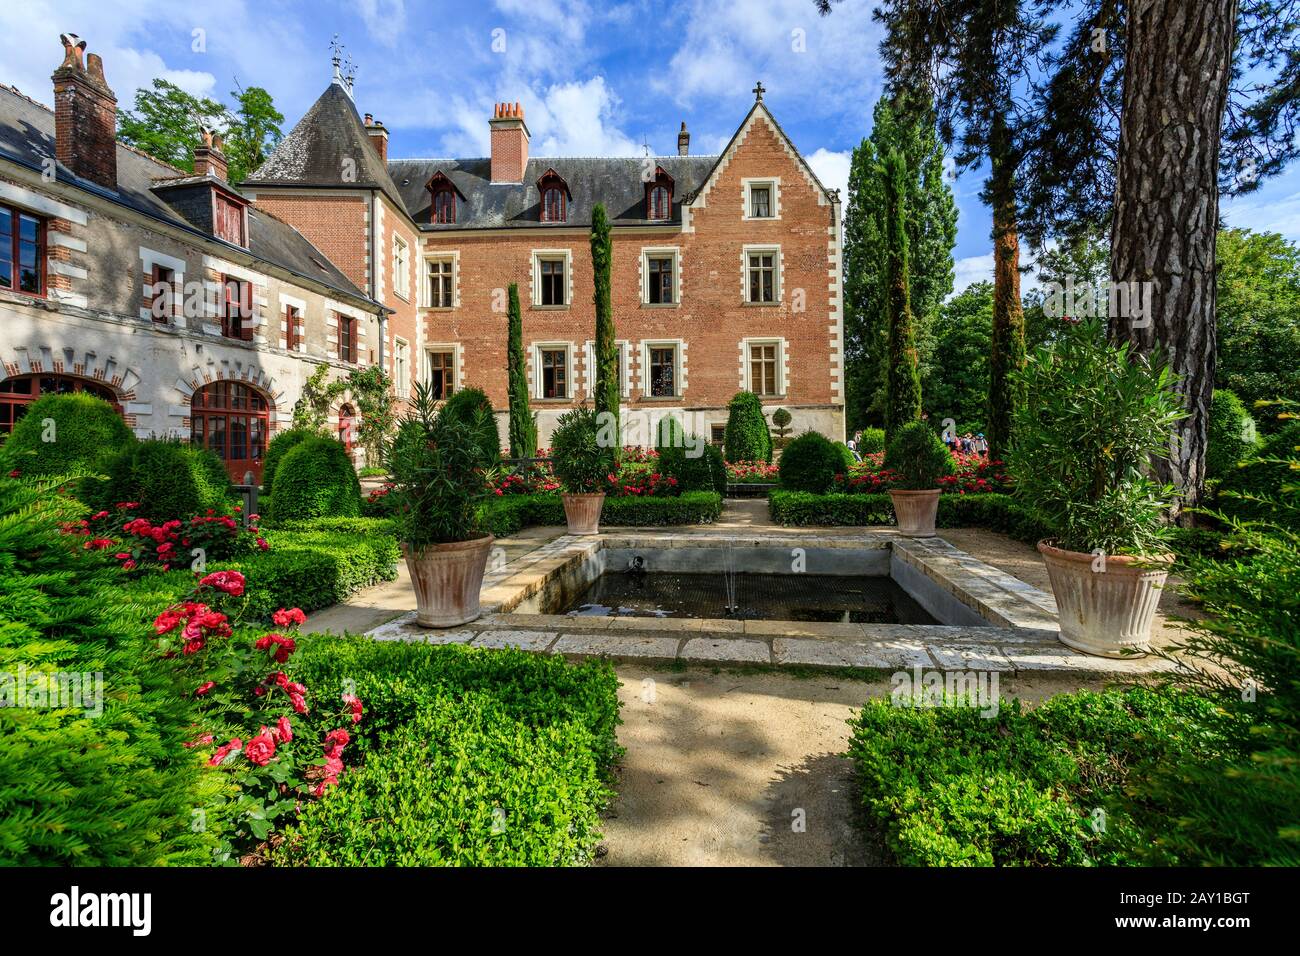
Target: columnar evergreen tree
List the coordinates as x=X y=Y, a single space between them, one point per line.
x=523 y=429
x=904 y=382
x=607 y=386
x=906 y=123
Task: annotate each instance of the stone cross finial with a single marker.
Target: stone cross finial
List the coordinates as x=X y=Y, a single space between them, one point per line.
x=758 y=92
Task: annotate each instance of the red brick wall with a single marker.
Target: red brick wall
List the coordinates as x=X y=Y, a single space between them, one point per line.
x=336 y=225
x=403 y=322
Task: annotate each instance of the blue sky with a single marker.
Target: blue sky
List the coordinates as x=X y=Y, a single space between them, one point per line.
x=595 y=78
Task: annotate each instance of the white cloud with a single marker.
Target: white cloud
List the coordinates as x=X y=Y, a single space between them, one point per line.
x=385 y=20
x=971 y=269
x=578 y=119
x=832 y=169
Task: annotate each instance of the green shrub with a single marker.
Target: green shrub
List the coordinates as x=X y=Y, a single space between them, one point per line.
x=581 y=455
x=277 y=449
x=669 y=433
x=168 y=479
x=437 y=468
x=704 y=472
x=919 y=457
x=1231 y=434
x=509 y=515
x=956 y=786
x=811 y=461
x=1250 y=491
x=994 y=511
x=872 y=441
x=747 y=437
x=1093 y=416
x=316 y=479
x=471 y=757
x=472 y=407
x=84 y=432
x=77 y=789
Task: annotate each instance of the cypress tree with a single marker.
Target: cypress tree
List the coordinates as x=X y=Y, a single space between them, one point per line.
x=903 y=403
x=607 y=387
x=523 y=429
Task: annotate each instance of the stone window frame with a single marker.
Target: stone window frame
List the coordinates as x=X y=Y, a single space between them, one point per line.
x=551 y=255
x=778 y=283
x=660 y=252
x=679 y=368
x=295 y=340
x=570 y=351
x=446 y=255
x=401 y=268
x=747 y=185
x=400 y=346
x=457 y=359
x=782 y=365
x=624 y=362
x=151 y=258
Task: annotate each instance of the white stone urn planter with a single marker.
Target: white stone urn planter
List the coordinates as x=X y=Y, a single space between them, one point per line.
x=583 y=512
x=1105 y=602
x=915 y=511
x=447 y=580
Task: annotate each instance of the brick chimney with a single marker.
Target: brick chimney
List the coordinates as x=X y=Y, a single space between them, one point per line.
x=378 y=136
x=683 y=141
x=210 y=158
x=509 y=143
x=85 y=115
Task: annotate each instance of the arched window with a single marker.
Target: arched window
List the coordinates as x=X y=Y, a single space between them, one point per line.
x=20 y=391
x=661 y=203
x=444 y=206
x=231 y=419
x=347 y=427
x=553 y=205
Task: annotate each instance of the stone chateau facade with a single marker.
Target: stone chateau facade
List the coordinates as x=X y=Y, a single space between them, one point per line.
x=199 y=309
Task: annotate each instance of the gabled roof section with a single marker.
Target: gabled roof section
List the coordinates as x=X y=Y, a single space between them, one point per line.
x=27 y=138
x=440 y=180
x=552 y=178
x=329 y=148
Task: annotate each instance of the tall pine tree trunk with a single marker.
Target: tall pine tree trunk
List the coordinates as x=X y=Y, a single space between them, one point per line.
x=1007 y=347
x=1176 y=73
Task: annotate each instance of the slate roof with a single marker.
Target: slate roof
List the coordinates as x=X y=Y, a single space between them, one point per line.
x=614 y=181
x=316 y=152
x=27 y=137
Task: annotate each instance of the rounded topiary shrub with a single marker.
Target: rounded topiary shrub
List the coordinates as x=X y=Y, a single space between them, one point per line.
x=919 y=457
x=62 y=434
x=166 y=478
x=472 y=406
x=747 y=437
x=316 y=479
x=1231 y=434
x=872 y=441
x=810 y=463
x=279 y=447
x=705 y=471
x=210 y=474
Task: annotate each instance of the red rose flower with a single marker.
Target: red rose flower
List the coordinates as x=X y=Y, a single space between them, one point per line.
x=261 y=748
x=204 y=688
x=283 y=732
x=225 y=750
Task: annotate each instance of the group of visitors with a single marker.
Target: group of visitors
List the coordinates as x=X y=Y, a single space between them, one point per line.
x=967 y=444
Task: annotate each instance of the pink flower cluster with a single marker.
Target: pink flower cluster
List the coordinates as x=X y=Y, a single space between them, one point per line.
x=138 y=542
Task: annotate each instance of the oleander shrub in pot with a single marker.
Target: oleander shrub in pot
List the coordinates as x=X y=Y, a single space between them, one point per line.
x=584 y=459
x=747 y=436
x=810 y=463
x=918 y=457
x=436 y=468
x=65 y=435
x=472 y=406
x=316 y=479
x=1094 y=416
x=280 y=446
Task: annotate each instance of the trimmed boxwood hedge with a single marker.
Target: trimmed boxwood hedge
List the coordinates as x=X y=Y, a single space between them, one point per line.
x=508 y=515
x=951 y=786
x=86 y=432
x=705 y=472
x=468 y=757
x=998 y=512
x=168 y=479
x=316 y=479
x=747 y=437
x=811 y=461
x=280 y=446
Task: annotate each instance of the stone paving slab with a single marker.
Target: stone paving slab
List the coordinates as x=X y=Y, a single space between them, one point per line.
x=885 y=655
x=731 y=649
x=524 y=640
x=618 y=646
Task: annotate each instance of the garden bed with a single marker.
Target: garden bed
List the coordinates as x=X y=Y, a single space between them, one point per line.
x=988 y=510
x=509 y=514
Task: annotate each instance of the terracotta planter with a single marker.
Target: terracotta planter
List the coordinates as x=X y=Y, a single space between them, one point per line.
x=583 y=512
x=915 y=511
x=1107 y=611
x=447 y=580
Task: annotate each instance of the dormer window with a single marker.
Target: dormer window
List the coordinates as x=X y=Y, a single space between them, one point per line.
x=228 y=223
x=555 y=197
x=659 y=196
x=444 y=194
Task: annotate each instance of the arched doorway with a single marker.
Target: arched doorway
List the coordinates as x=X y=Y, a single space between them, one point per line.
x=20 y=391
x=232 y=419
x=347 y=427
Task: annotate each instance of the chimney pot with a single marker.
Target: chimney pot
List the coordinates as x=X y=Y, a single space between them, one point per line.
x=85 y=115
x=509 y=143
x=683 y=141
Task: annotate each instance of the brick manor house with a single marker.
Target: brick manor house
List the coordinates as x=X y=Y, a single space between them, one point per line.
x=199 y=309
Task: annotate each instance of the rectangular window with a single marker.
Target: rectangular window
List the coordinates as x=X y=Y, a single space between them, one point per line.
x=663 y=371
x=442 y=279
x=660 y=270
x=717 y=434
x=442 y=374
x=555 y=373
x=762 y=369
x=554 y=289
x=292 y=320
x=401 y=277
x=347 y=338
x=22 y=251
x=762 y=277
x=230 y=221
x=760 y=202
x=163 y=295
x=401 y=369
x=236 y=309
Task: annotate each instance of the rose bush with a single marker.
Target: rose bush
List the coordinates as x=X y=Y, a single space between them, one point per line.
x=138 y=543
